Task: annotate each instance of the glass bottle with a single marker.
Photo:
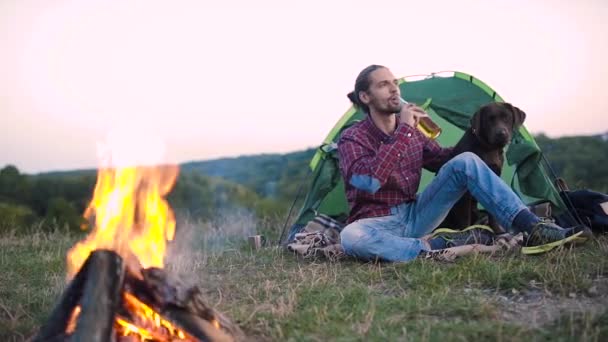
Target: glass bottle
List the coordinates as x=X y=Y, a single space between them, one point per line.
x=426 y=125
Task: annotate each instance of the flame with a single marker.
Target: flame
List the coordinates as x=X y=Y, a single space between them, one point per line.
x=145 y=324
x=131 y=216
x=147 y=319
x=130 y=329
x=72 y=322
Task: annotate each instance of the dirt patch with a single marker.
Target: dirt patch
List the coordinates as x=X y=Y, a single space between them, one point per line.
x=535 y=307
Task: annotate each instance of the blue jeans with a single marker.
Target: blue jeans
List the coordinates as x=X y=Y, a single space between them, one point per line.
x=397 y=237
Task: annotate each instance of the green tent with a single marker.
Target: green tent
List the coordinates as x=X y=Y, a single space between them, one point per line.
x=451 y=99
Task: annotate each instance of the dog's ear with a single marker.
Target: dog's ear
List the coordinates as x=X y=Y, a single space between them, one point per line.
x=518 y=115
x=476 y=121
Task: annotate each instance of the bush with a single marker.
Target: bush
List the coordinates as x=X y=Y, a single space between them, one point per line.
x=15 y=217
x=63 y=213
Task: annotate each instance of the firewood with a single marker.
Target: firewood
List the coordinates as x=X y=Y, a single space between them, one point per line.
x=57 y=323
x=186 y=302
x=101 y=297
x=99 y=287
x=195 y=325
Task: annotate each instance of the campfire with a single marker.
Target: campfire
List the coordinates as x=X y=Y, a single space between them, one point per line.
x=118 y=288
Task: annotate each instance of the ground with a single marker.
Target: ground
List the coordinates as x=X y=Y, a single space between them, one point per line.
x=562 y=295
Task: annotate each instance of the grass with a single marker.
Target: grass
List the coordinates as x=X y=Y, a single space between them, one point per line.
x=273 y=295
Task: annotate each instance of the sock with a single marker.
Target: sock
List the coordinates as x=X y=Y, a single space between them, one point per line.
x=438 y=243
x=525 y=221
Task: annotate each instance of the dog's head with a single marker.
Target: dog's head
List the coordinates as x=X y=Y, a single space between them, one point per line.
x=495 y=123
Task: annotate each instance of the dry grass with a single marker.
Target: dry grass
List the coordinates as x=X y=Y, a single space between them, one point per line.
x=275 y=296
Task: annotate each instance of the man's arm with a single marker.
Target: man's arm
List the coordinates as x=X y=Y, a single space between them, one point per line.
x=365 y=170
x=434 y=156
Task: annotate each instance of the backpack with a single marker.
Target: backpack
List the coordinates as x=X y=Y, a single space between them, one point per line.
x=590 y=206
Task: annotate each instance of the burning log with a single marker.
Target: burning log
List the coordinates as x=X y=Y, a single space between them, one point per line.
x=105 y=300
x=57 y=323
x=101 y=297
x=186 y=304
x=197 y=326
x=119 y=291
x=96 y=290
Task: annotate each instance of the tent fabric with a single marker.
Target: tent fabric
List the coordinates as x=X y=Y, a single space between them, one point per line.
x=454 y=98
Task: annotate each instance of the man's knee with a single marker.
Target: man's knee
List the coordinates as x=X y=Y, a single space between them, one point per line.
x=464 y=160
x=351 y=234
x=360 y=240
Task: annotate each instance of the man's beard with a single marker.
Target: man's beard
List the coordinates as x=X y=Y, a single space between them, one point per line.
x=386 y=108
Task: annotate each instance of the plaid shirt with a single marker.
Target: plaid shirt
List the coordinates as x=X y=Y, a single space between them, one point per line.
x=381 y=171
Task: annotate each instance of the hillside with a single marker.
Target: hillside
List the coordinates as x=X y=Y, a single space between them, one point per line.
x=264 y=184
x=269 y=175
x=581 y=160
x=61 y=198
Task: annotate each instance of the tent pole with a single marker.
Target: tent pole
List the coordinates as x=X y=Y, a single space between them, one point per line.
x=291 y=208
x=569 y=204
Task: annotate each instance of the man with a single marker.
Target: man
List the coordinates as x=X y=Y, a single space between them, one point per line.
x=381 y=160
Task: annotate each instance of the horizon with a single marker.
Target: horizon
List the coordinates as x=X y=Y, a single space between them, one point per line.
x=223 y=80
x=179 y=163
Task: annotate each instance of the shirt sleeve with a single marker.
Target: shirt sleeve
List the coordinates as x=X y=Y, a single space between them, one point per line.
x=366 y=169
x=434 y=156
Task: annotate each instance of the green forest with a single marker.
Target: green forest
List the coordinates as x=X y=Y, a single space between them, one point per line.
x=265 y=184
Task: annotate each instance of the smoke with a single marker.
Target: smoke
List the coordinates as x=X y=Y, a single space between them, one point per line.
x=198 y=242
x=125 y=146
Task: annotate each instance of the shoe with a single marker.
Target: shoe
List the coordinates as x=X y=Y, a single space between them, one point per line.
x=475 y=234
x=587 y=235
x=547 y=235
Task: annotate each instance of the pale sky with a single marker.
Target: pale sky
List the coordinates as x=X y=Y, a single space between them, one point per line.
x=225 y=78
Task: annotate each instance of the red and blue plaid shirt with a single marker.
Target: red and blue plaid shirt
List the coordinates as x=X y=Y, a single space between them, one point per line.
x=380 y=170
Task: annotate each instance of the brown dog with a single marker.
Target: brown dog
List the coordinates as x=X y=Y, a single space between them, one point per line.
x=492 y=128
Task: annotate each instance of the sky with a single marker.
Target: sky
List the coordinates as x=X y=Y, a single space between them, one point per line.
x=225 y=78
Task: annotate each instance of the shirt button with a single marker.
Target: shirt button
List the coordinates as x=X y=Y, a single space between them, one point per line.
x=409 y=135
x=407 y=178
x=399 y=155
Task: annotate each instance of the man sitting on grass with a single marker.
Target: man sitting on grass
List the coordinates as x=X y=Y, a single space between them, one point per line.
x=381 y=161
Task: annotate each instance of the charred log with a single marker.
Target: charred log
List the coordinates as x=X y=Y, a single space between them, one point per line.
x=57 y=323
x=185 y=305
x=105 y=292
x=101 y=297
x=198 y=327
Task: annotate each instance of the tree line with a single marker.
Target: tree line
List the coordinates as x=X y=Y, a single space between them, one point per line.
x=59 y=200
x=264 y=184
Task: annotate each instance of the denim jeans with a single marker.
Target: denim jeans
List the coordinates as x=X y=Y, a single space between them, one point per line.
x=396 y=237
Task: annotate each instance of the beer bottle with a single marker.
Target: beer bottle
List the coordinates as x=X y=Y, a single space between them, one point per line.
x=426 y=125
